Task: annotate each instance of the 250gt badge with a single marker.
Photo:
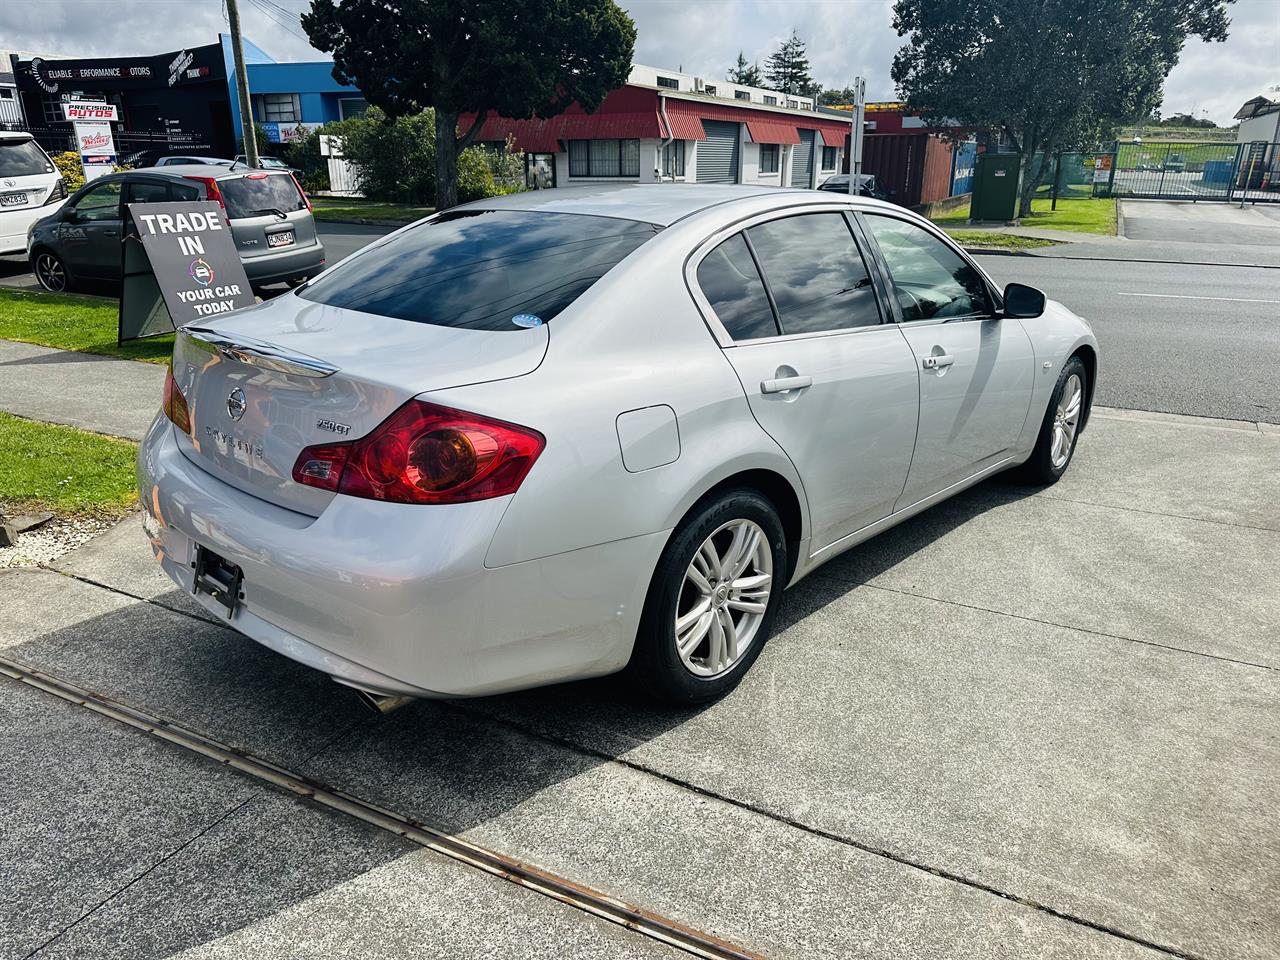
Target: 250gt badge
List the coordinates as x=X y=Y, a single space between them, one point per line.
x=333 y=427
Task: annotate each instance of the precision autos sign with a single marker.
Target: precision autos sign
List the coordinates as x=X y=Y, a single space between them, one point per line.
x=81 y=110
x=193 y=258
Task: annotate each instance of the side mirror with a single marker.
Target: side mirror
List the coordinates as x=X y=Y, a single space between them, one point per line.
x=1022 y=302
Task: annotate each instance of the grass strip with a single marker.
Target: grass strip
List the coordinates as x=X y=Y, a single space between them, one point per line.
x=47 y=466
x=68 y=322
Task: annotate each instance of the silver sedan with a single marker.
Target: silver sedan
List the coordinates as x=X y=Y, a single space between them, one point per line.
x=571 y=432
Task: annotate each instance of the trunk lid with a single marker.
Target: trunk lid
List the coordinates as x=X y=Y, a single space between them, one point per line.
x=267 y=212
x=265 y=382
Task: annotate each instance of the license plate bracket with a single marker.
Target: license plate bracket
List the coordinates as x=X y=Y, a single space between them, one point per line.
x=218 y=578
x=13 y=199
x=282 y=238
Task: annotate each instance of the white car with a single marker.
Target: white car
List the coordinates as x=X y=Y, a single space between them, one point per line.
x=562 y=433
x=30 y=188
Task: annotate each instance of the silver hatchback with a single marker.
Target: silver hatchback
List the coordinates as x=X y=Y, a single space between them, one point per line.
x=566 y=433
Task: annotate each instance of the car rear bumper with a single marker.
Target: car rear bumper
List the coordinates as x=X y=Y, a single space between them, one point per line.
x=395 y=598
x=286 y=264
x=14 y=225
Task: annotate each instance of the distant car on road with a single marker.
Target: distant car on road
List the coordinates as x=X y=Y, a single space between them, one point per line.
x=30 y=188
x=563 y=433
x=867 y=186
x=186 y=161
x=1175 y=163
x=269 y=216
x=266 y=163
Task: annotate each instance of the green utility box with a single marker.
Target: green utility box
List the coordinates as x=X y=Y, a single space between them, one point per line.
x=995 y=187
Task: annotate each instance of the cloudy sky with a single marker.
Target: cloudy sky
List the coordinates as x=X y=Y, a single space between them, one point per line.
x=845 y=37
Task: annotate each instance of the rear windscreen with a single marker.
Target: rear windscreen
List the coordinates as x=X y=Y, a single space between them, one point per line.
x=258 y=195
x=22 y=159
x=481 y=269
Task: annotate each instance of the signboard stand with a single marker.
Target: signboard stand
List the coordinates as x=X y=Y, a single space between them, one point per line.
x=178 y=264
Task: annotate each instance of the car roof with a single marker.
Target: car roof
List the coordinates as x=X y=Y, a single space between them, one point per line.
x=217 y=171
x=659 y=203
x=15 y=135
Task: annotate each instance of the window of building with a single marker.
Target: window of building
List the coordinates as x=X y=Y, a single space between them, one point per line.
x=816 y=274
x=741 y=95
x=793 y=104
x=352 y=107
x=710 y=88
x=604 y=158
x=669 y=83
x=51 y=107
x=828 y=158
x=6 y=93
x=769 y=157
x=770 y=101
x=280 y=108
x=673 y=159
x=806 y=106
x=731 y=283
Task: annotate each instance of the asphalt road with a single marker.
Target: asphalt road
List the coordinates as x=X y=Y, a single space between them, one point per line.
x=1175 y=338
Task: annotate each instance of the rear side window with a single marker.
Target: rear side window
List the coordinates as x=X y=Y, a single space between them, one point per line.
x=258 y=194
x=815 y=273
x=481 y=269
x=731 y=283
x=22 y=158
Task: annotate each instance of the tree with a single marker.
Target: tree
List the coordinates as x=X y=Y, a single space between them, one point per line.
x=837 y=97
x=747 y=74
x=787 y=68
x=515 y=58
x=1050 y=74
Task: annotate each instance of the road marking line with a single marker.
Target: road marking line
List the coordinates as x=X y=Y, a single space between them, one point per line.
x=1180 y=296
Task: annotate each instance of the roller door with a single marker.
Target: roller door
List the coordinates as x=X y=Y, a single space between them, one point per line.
x=718 y=154
x=802 y=160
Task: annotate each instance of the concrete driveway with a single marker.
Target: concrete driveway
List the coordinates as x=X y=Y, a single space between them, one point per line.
x=1170 y=221
x=1026 y=723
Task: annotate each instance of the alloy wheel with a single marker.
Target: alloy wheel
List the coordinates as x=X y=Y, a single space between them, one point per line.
x=1066 y=421
x=723 y=598
x=50 y=273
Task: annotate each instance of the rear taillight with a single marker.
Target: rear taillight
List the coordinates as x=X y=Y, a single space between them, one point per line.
x=59 y=191
x=211 y=191
x=305 y=198
x=424 y=453
x=175 y=404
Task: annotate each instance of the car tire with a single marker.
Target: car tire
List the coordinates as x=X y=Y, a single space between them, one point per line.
x=1060 y=429
x=736 y=532
x=51 y=273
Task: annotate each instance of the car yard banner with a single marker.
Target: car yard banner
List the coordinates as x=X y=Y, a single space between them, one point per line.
x=188 y=258
x=97 y=147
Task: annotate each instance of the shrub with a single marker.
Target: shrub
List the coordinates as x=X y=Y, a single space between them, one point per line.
x=475 y=178
x=68 y=164
x=305 y=155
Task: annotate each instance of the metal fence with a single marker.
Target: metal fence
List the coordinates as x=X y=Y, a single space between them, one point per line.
x=1246 y=172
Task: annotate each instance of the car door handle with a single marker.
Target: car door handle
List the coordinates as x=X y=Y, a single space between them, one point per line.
x=937 y=360
x=110 y=233
x=785 y=384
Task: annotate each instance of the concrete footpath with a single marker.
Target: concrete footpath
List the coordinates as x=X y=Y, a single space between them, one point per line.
x=1027 y=723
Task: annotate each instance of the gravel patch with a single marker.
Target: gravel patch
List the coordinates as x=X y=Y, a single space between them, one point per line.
x=51 y=540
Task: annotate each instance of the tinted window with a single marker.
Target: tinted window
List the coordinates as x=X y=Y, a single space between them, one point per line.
x=100 y=203
x=815 y=273
x=259 y=194
x=481 y=268
x=143 y=191
x=731 y=283
x=186 y=191
x=929 y=278
x=22 y=159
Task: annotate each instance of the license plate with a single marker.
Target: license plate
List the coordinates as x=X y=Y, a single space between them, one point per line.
x=282 y=239
x=218 y=578
x=20 y=200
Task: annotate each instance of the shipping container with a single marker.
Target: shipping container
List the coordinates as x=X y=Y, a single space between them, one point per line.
x=914 y=168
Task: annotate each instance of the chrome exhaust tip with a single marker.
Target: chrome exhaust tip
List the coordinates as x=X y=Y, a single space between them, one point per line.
x=381 y=702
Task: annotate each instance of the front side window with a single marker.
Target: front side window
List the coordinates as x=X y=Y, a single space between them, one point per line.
x=930 y=280
x=673 y=159
x=769 y=157
x=481 y=269
x=147 y=191
x=828 y=158
x=731 y=283
x=100 y=203
x=604 y=158
x=815 y=272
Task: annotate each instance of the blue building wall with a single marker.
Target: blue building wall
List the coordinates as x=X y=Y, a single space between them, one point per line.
x=318 y=93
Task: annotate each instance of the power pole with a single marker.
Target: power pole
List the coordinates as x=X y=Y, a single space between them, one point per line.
x=855 y=139
x=242 y=86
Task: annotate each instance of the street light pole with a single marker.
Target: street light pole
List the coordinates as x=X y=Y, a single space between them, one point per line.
x=242 y=86
x=855 y=138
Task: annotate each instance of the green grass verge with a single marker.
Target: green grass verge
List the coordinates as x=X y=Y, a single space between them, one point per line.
x=1076 y=215
x=46 y=466
x=997 y=241
x=73 y=323
x=356 y=210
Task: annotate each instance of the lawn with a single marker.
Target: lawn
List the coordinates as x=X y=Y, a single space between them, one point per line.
x=997 y=241
x=345 y=208
x=73 y=323
x=46 y=466
x=1076 y=215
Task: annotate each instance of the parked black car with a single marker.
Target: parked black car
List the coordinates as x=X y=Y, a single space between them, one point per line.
x=867 y=186
x=269 y=216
